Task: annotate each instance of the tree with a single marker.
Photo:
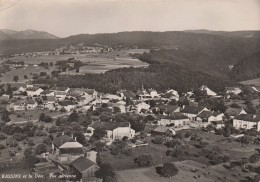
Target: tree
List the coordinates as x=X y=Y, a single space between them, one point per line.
x=77 y=70
x=15 y=78
x=25 y=77
x=48 y=119
x=144 y=160
x=30 y=158
x=41 y=148
x=73 y=117
x=104 y=171
x=51 y=63
x=254 y=158
x=168 y=170
x=42 y=117
x=5 y=116
x=99 y=133
x=80 y=137
x=99 y=146
x=157 y=140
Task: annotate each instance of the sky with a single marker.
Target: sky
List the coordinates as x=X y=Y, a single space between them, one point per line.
x=70 y=17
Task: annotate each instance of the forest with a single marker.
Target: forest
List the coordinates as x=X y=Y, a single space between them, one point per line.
x=157 y=76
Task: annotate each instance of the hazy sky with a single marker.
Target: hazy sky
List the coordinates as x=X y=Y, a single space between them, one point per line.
x=68 y=17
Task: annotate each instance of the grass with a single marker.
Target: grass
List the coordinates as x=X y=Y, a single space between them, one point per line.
x=96 y=63
x=32 y=115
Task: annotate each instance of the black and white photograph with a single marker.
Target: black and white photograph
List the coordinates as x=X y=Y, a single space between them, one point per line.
x=129 y=90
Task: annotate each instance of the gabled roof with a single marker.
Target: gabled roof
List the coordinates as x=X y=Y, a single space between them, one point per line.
x=81 y=164
x=161 y=129
x=233 y=111
x=49 y=98
x=71 y=151
x=32 y=88
x=109 y=125
x=89 y=91
x=248 y=117
x=71 y=145
x=205 y=114
x=59 y=141
x=66 y=103
x=216 y=114
x=46 y=92
x=192 y=109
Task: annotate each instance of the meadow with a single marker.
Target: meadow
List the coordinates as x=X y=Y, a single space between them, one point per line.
x=95 y=63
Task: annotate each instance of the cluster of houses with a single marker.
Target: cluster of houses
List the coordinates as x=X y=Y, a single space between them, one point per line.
x=70 y=156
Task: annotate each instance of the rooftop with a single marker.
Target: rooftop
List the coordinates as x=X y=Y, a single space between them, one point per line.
x=248 y=117
x=109 y=125
x=82 y=163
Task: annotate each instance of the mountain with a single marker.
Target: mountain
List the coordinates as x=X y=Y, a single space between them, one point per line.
x=208 y=53
x=248 y=68
x=6 y=34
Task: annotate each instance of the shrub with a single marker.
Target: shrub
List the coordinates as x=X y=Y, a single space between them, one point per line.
x=41 y=148
x=144 y=160
x=2 y=137
x=158 y=140
x=115 y=151
x=2 y=146
x=168 y=170
x=254 y=158
x=127 y=151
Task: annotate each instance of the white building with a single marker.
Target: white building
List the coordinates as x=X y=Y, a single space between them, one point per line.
x=247 y=121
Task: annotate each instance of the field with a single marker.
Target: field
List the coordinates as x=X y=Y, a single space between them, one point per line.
x=188 y=171
x=193 y=166
x=95 y=63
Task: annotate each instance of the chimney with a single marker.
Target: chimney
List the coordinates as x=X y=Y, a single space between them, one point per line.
x=62 y=133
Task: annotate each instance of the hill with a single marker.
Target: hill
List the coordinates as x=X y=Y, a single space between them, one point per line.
x=6 y=34
x=157 y=76
x=248 y=68
x=246 y=33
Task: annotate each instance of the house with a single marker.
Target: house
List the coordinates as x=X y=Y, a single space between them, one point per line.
x=175 y=119
x=233 y=90
x=193 y=111
x=25 y=104
x=115 y=130
x=233 y=112
x=168 y=109
x=66 y=148
x=49 y=102
x=84 y=169
x=70 y=151
x=118 y=107
x=112 y=97
x=247 y=121
x=68 y=105
x=60 y=92
x=171 y=95
x=19 y=105
x=34 y=91
x=31 y=104
x=209 y=116
x=208 y=91
x=162 y=130
x=47 y=93
x=141 y=105
x=91 y=92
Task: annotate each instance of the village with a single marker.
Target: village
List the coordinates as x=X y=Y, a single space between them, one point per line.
x=78 y=131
